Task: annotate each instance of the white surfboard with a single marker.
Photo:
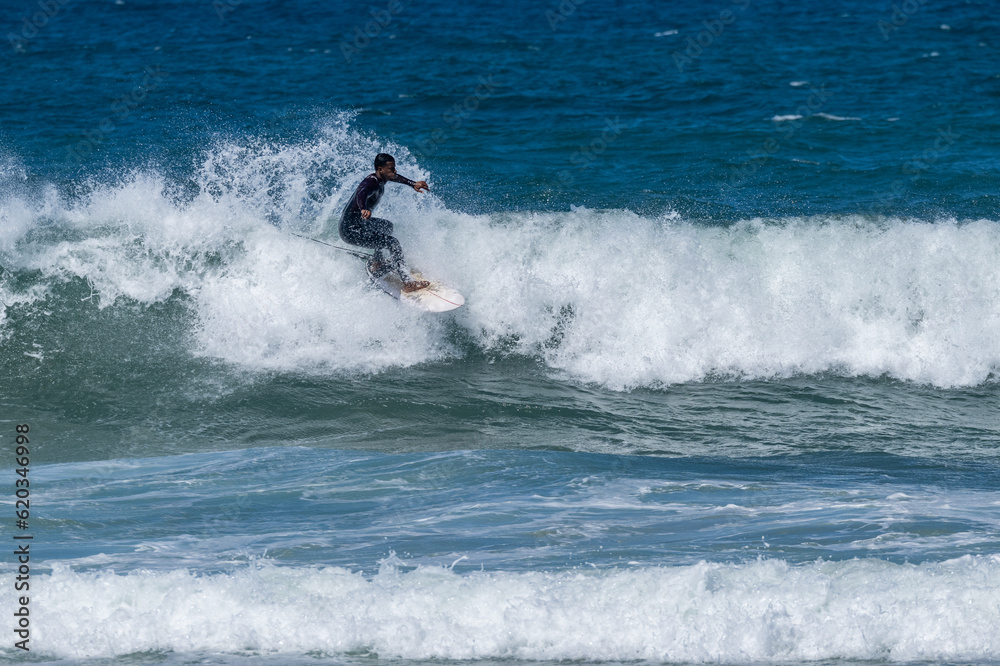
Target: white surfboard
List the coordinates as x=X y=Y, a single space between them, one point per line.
x=435 y=297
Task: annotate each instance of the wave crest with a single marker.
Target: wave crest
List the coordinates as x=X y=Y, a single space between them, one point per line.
x=730 y=613
x=609 y=297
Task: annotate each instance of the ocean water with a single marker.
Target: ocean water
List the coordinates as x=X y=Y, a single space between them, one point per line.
x=725 y=387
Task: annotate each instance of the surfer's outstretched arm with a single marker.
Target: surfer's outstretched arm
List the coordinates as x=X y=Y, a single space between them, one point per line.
x=415 y=184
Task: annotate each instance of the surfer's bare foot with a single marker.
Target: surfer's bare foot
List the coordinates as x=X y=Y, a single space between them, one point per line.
x=416 y=285
x=376 y=267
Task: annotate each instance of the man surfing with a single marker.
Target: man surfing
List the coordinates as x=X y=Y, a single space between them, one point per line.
x=358 y=227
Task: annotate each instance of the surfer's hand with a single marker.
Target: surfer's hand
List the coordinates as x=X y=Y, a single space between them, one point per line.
x=420 y=184
x=365 y=214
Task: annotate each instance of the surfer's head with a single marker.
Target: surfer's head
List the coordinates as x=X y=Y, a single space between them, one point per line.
x=385 y=166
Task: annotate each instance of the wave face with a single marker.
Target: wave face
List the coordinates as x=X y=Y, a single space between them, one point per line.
x=756 y=612
x=609 y=297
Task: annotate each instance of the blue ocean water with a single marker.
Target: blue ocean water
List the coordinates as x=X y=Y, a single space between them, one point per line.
x=724 y=388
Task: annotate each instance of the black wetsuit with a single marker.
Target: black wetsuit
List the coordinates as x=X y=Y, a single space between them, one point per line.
x=374 y=232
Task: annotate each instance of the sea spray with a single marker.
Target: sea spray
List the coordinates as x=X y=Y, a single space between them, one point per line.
x=729 y=613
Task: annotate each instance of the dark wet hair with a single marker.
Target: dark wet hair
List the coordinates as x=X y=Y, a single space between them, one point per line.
x=382 y=159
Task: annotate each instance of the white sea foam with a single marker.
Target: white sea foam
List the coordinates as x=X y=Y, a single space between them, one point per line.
x=622 y=300
x=827 y=116
x=732 y=613
x=830 y=116
x=609 y=297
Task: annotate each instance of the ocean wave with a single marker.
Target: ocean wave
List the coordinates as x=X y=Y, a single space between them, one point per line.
x=624 y=301
x=608 y=297
x=760 y=611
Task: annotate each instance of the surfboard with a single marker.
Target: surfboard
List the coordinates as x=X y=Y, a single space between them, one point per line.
x=435 y=297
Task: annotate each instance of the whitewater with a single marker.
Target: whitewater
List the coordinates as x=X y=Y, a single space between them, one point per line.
x=760 y=611
x=279 y=553
x=614 y=298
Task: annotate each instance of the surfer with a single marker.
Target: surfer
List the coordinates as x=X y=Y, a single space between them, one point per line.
x=358 y=227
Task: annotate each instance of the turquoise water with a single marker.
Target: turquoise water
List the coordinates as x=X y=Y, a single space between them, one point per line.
x=724 y=388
